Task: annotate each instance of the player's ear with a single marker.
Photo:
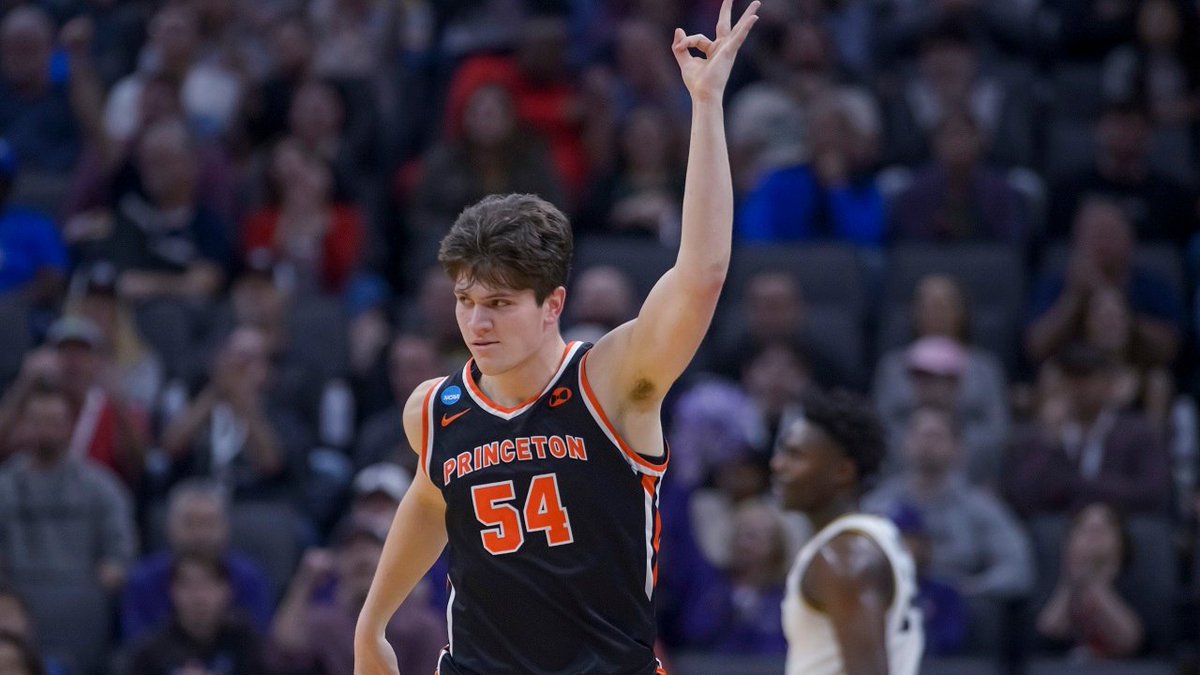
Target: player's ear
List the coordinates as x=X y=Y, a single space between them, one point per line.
x=554 y=304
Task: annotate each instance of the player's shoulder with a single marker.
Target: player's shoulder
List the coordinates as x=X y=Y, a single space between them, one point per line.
x=414 y=408
x=850 y=559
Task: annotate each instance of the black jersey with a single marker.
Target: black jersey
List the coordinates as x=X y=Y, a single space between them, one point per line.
x=553 y=529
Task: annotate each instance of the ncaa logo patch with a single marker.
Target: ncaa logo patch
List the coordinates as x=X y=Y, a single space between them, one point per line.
x=451 y=395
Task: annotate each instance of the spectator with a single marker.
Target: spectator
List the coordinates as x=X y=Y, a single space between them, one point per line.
x=378 y=490
x=975 y=542
x=205 y=634
x=138 y=370
x=325 y=121
x=644 y=73
x=411 y=360
x=316 y=239
x=603 y=298
x=775 y=312
x=1091 y=450
x=62 y=518
x=1101 y=256
x=489 y=154
x=834 y=196
x=31 y=247
x=44 y=119
x=166 y=242
x=643 y=195
x=233 y=432
x=941 y=367
x=18 y=657
x=942 y=607
x=956 y=197
x=1159 y=209
x=266 y=107
x=1161 y=67
x=16 y=622
x=434 y=318
x=197 y=525
x=209 y=92
x=319 y=638
x=1085 y=610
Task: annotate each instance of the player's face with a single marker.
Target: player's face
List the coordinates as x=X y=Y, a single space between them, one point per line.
x=808 y=470
x=504 y=327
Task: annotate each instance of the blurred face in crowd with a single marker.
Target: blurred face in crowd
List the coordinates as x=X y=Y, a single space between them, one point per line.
x=176 y=36
x=317 y=114
x=259 y=302
x=637 y=43
x=13 y=618
x=646 y=140
x=26 y=44
x=248 y=353
x=939 y=308
x=202 y=598
x=1095 y=539
x=1158 y=23
x=775 y=378
x=950 y=66
x=774 y=306
x=759 y=543
x=411 y=361
x=489 y=119
x=357 y=560
x=603 y=295
x=47 y=425
x=81 y=364
x=1103 y=233
x=198 y=524
x=292 y=44
x=166 y=163
x=434 y=300
x=931 y=445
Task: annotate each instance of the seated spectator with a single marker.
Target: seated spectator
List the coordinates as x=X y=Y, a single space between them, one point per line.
x=137 y=369
x=234 y=433
x=62 y=517
x=976 y=544
x=324 y=120
x=603 y=298
x=1085 y=449
x=166 y=242
x=489 y=154
x=205 y=634
x=1086 y=611
x=18 y=657
x=31 y=247
x=318 y=638
x=197 y=525
x=16 y=622
x=834 y=196
x=315 y=239
x=644 y=74
x=1161 y=67
x=1158 y=208
x=949 y=79
x=266 y=107
x=774 y=312
x=435 y=318
x=957 y=197
x=209 y=91
x=643 y=195
x=942 y=367
x=411 y=361
x=945 y=614
x=1101 y=256
x=42 y=118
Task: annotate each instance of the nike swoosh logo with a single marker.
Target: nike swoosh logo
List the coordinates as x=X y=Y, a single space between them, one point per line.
x=447 y=420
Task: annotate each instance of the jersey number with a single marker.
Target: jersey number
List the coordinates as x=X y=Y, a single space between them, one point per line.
x=543 y=512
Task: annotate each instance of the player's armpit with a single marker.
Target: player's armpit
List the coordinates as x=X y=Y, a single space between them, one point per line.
x=850 y=580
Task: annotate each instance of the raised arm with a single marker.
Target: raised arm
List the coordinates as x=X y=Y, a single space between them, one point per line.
x=415 y=540
x=638 y=362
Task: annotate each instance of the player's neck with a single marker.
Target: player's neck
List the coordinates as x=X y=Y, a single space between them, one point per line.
x=528 y=378
x=836 y=508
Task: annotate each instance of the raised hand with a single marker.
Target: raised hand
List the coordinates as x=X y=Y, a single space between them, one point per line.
x=706 y=77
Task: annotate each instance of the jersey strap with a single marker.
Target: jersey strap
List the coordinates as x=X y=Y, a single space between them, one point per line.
x=647 y=465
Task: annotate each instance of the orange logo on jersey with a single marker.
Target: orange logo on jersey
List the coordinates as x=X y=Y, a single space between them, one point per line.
x=447 y=420
x=559 y=397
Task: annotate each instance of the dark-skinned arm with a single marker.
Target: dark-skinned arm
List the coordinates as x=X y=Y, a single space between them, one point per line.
x=850 y=581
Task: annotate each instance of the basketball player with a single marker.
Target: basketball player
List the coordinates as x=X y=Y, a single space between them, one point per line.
x=848 y=607
x=540 y=461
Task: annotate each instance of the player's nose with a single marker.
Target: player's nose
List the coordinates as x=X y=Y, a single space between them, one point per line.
x=480 y=320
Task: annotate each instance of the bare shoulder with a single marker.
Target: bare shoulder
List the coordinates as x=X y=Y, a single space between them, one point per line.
x=414 y=413
x=850 y=565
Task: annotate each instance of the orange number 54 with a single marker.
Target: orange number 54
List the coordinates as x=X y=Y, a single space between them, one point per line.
x=543 y=512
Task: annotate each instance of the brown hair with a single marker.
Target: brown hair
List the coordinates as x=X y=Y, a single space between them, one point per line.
x=513 y=241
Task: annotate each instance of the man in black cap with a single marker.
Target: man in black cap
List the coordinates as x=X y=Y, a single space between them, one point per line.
x=1095 y=452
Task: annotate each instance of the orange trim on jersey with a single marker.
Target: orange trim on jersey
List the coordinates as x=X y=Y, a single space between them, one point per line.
x=650 y=484
x=612 y=429
x=469 y=378
x=426 y=429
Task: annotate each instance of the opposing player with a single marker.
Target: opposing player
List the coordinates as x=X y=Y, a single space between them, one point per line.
x=848 y=608
x=540 y=460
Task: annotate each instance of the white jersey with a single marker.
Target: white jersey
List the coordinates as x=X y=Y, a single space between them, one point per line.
x=812 y=644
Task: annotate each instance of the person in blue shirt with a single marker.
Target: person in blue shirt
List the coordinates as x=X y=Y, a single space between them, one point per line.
x=197 y=524
x=33 y=258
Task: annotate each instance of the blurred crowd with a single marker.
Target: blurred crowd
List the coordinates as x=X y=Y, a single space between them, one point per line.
x=218 y=227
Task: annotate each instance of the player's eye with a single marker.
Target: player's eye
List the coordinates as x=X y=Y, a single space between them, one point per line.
x=500 y=303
